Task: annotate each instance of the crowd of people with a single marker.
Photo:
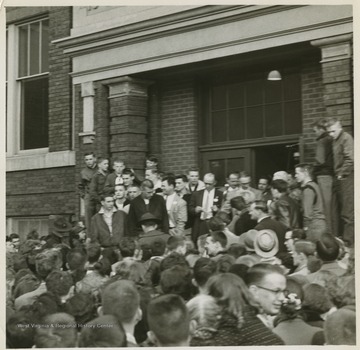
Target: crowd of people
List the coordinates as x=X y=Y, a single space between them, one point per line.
x=173 y=260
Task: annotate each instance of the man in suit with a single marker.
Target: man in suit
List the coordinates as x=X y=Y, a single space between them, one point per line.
x=115 y=178
x=204 y=205
x=146 y=202
x=259 y=212
x=176 y=207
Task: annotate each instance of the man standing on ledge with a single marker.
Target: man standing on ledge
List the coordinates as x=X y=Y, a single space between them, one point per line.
x=343 y=150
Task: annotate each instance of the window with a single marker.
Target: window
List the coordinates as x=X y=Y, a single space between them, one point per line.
x=22 y=226
x=28 y=78
x=255 y=109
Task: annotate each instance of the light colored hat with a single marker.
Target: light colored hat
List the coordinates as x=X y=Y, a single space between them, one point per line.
x=266 y=243
x=247 y=239
x=280 y=175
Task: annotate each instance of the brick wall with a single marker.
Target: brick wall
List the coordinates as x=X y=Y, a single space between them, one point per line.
x=60 y=112
x=179 y=134
x=312 y=106
x=40 y=192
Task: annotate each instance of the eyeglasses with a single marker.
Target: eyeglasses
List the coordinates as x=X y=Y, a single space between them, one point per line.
x=277 y=292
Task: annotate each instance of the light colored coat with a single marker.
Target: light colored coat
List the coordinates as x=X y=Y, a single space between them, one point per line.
x=178 y=215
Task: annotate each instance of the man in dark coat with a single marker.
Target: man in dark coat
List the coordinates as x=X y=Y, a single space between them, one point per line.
x=259 y=212
x=204 y=205
x=147 y=202
x=108 y=226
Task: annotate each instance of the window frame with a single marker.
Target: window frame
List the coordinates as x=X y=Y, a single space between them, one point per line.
x=14 y=94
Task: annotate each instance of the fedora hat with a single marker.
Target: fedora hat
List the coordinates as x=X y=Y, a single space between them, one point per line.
x=149 y=217
x=247 y=239
x=266 y=243
x=60 y=226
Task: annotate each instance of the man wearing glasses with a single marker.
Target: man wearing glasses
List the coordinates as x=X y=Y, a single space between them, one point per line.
x=267 y=284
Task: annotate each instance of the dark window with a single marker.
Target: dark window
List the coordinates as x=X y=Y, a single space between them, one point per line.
x=255 y=109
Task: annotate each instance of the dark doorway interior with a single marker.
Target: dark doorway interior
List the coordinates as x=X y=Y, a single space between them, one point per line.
x=269 y=159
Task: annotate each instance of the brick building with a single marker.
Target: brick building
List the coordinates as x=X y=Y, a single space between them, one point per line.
x=185 y=83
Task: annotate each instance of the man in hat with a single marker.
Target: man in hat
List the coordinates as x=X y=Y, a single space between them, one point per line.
x=59 y=231
x=147 y=203
x=266 y=245
x=108 y=226
x=149 y=224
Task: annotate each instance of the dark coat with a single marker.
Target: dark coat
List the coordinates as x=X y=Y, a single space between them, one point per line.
x=109 y=185
x=287 y=211
x=244 y=223
x=200 y=226
x=157 y=207
x=99 y=230
x=277 y=227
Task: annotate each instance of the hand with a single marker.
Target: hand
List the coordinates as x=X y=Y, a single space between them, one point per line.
x=198 y=209
x=214 y=208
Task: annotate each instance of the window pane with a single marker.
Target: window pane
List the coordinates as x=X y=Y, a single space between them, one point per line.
x=292 y=87
x=236 y=124
x=273 y=120
x=254 y=92
x=218 y=98
x=45 y=47
x=34 y=113
x=23 y=50
x=34 y=48
x=293 y=118
x=273 y=91
x=254 y=123
x=236 y=95
x=219 y=126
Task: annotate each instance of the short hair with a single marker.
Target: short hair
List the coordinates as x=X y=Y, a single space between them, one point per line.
x=219 y=236
x=169 y=319
x=93 y=250
x=236 y=250
x=203 y=269
x=17 y=337
x=170 y=180
x=119 y=185
x=45 y=304
x=121 y=299
x=152 y=158
x=327 y=248
x=236 y=173
x=14 y=236
x=147 y=184
x=340 y=328
x=223 y=216
x=173 y=259
x=239 y=270
x=100 y=160
x=264 y=177
x=216 y=224
x=82 y=307
x=298 y=233
x=305 y=247
x=47 y=261
x=118 y=160
x=174 y=242
x=309 y=168
x=194 y=168
x=261 y=205
x=89 y=154
x=62 y=335
x=182 y=177
x=103 y=267
x=316 y=298
x=59 y=283
x=238 y=203
x=103 y=331
x=177 y=280
x=244 y=174
x=280 y=185
x=256 y=273
x=152 y=170
x=320 y=124
x=131 y=270
x=128 y=171
x=224 y=263
x=76 y=259
x=127 y=246
x=342 y=290
x=332 y=121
